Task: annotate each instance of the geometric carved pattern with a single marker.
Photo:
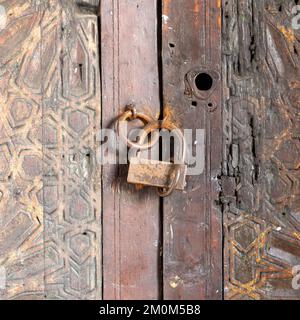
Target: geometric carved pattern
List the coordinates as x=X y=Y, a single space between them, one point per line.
x=50 y=113
x=50 y=199
x=21 y=216
x=72 y=106
x=261 y=154
x=249 y=265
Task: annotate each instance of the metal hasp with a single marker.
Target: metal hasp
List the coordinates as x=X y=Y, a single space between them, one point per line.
x=166 y=176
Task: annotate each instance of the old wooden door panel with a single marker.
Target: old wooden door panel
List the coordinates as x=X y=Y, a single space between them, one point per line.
x=71 y=106
x=192 y=219
x=261 y=149
x=50 y=200
x=51 y=186
x=131 y=217
x=21 y=219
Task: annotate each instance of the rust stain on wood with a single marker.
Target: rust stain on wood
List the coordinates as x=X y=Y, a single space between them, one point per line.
x=131 y=218
x=193 y=253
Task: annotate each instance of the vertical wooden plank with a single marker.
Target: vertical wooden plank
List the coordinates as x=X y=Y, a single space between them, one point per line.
x=131 y=217
x=71 y=195
x=260 y=189
x=192 y=220
x=21 y=214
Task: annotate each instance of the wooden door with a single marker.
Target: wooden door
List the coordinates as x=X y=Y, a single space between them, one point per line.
x=260 y=192
x=156 y=248
x=71 y=226
x=50 y=240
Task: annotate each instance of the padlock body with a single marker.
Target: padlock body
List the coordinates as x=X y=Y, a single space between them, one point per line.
x=155 y=173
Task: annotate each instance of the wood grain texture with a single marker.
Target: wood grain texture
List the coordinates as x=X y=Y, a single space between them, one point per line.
x=61 y=211
x=72 y=179
x=50 y=240
x=260 y=182
x=192 y=220
x=21 y=213
x=131 y=217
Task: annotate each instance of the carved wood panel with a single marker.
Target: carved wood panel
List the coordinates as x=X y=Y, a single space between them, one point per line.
x=50 y=236
x=56 y=199
x=261 y=149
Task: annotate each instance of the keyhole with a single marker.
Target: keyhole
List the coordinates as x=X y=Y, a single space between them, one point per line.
x=204 y=82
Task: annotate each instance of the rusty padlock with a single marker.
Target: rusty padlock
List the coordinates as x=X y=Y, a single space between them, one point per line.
x=166 y=176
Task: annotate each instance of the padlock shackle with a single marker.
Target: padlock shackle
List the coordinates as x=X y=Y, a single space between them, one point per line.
x=159 y=125
x=152 y=125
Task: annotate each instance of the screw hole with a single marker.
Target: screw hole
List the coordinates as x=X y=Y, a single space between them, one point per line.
x=204 y=82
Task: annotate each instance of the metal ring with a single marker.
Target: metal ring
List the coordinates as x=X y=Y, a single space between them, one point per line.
x=132 y=109
x=130 y=115
x=151 y=127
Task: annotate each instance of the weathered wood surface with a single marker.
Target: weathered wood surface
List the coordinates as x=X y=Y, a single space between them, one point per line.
x=131 y=218
x=21 y=212
x=50 y=200
x=52 y=191
x=261 y=70
x=191 y=35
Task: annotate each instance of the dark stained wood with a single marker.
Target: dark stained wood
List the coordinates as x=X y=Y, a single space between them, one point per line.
x=260 y=183
x=130 y=217
x=192 y=219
